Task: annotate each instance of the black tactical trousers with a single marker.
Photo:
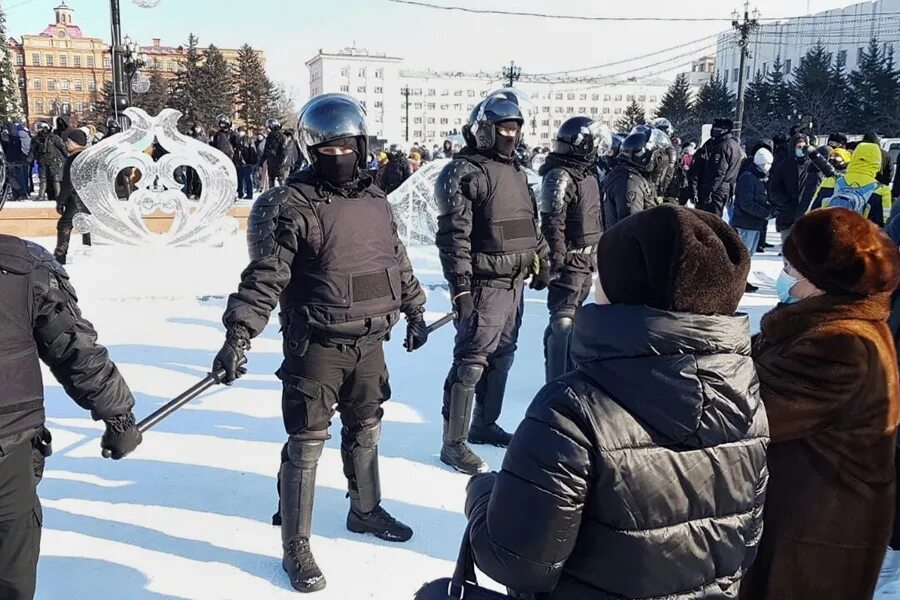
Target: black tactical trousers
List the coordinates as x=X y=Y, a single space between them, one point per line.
x=64 y=229
x=21 y=467
x=351 y=379
x=488 y=338
x=569 y=291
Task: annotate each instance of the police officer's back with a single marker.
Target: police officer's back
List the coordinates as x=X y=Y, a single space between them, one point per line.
x=40 y=321
x=628 y=188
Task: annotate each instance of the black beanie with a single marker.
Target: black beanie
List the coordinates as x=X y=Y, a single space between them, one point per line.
x=674 y=258
x=77 y=136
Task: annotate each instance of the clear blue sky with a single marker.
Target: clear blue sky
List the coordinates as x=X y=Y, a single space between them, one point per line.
x=291 y=31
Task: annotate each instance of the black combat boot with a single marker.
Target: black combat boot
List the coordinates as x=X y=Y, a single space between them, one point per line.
x=460 y=395
x=488 y=403
x=298 y=486
x=359 y=453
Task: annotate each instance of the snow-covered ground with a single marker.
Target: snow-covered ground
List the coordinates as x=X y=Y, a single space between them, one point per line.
x=188 y=514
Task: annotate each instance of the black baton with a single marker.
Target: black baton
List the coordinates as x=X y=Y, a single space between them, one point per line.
x=441 y=322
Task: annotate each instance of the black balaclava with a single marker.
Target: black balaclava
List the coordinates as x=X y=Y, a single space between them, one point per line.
x=340 y=169
x=503 y=145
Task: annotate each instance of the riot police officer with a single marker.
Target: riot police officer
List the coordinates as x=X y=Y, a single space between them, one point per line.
x=325 y=246
x=628 y=188
x=570 y=222
x=40 y=321
x=489 y=243
x=667 y=156
x=274 y=152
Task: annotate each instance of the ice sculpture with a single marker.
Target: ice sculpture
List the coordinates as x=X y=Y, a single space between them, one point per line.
x=415 y=209
x=201 y=221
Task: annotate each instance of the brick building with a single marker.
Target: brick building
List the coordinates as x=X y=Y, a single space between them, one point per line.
x=62 y=71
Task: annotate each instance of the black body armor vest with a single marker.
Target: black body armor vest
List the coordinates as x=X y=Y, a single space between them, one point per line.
x=583 y=216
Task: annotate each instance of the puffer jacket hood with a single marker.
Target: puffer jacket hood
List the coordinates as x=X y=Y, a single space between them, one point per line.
x=700 y=365
x=866 y=161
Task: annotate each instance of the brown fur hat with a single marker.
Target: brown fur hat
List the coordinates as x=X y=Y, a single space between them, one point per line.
x=841 y=251
x=674 y=258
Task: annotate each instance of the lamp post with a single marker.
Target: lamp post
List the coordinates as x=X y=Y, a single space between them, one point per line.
x=512 y=73
x=743 y=28
x=132 y=62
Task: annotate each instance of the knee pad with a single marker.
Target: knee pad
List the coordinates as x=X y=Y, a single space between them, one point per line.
x=469 y=374
x=562 y=325
x=365 y=437
x=304 y=452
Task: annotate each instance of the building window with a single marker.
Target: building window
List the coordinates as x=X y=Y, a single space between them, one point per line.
x=170 y=66
x=471 y=93
x=417 y=105
x=445 y=121
x=606 y=98
x=842 y=57
x=48 y=60
x=570 y=96
x=345 y=71
x=417 y=92
x=51 y=84
x=430 y=106
x=378 y=104
x=417 y=120
x=90 y=62
x=432 y=92
x=345 y=88
x=36 y=83
x=618 y=111
x=445 y=92
x=457 y=121
x=545 y=109
x=558 y=109
x=545 y=123
x=629 y=98
x=430 y=120
x=362 y=72
x=445 y=107
x=39 y=106
x=557 y=122
x=76 y=61
x=582 y=96
x=787 y=68
x=457 y=93
x=470 y=106
x=403 y=119
x=618 y=98
x=379 y=73
x=417 y=133
x=361 y=89
x=79 y=107
x=63 y=60
x=595 y=97
x=36 y=59
x=92 y=85
x=545 y=136
x=734 y=74
x=64 y=84
x=642 y=98
x=605 y=110
x=725 y=79
x=106 y=62
x=79 y=86
x=593 y=110
x=20 y=59
x=652 y=98
x=570 y=110
x=457 y=107
x=558 y=96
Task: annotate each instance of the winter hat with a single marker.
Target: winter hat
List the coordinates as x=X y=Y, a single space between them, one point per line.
x=723 y=123
x=77 y=136
x=841 y=251
x=674 y=258
x=763 y=159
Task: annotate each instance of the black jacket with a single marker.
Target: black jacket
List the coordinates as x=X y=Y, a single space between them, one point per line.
x=394 y=173
x=626 y=190
x=49 y=151
x=222 y=141
x=714 y=171
x=273 y=153
x=642 y=474
x=285 y=237
x=787 y=183
x=751 y=200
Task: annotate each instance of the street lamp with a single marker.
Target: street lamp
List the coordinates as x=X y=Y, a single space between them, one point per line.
x=744 y=28
x=133 y=61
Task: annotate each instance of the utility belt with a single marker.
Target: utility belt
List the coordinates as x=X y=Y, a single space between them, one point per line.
x=299 y=332
x=583 y=250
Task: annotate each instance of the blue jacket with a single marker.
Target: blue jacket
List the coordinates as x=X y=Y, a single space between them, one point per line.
x=751 y=204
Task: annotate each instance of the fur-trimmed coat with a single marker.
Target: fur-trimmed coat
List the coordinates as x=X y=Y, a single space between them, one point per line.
x=828 y=378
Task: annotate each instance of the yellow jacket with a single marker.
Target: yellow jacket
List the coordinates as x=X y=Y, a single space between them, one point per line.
x=864 y=166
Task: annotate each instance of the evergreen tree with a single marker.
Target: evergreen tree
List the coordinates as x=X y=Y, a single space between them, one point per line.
x=156 y=98
x=875 y=92
x=103 y=105
x=254 y=94
x=215 y=87
x=10 y=97
x=634 y=115
x=815 y=91
x=186 y=89
x=714 y=100
x=284 y=107
x=676 y=104
x=757 y=107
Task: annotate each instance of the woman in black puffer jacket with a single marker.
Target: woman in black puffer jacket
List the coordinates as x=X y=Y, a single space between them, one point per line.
x=641 y=474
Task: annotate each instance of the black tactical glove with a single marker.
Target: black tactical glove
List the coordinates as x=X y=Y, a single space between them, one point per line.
x=465 y=306
x=416 y=332
x=121 y=436
x=232 y=357
x=541 y=277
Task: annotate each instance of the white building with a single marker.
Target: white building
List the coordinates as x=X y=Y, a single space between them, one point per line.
x=701 y=71
x=845 y=32
x=438 y=103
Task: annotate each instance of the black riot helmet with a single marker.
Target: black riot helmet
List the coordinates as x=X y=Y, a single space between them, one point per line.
x=637 y=149
x=582 y=138
x=112 y=126
x=499 y=106
x=328 y=118
x=43 y=126
x=273 y=124
x=664 y=125
x=223 y=121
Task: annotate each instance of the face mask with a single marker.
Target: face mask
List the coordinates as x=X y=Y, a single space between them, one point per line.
x=337 y=169
x=800 y=152
x=764 y=168
x=716 y=132
x=784 y=285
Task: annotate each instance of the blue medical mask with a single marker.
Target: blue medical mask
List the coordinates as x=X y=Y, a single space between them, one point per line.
x=784 y=285
x=799 y=152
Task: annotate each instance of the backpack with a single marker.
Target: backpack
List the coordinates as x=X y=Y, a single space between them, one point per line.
x=853 y=198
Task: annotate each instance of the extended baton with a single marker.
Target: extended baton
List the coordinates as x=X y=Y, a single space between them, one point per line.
x=169 y=407
x=441 y=322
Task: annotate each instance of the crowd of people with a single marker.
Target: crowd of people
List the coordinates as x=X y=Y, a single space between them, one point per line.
x=671 y=454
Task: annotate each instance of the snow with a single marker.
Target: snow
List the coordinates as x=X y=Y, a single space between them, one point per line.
x=188 y=514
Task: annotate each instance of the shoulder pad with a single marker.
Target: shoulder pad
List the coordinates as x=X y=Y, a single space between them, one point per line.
x=43 y=258
x=553 y=191
x=15 y=256
x=263 y=221
x=455 y=183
